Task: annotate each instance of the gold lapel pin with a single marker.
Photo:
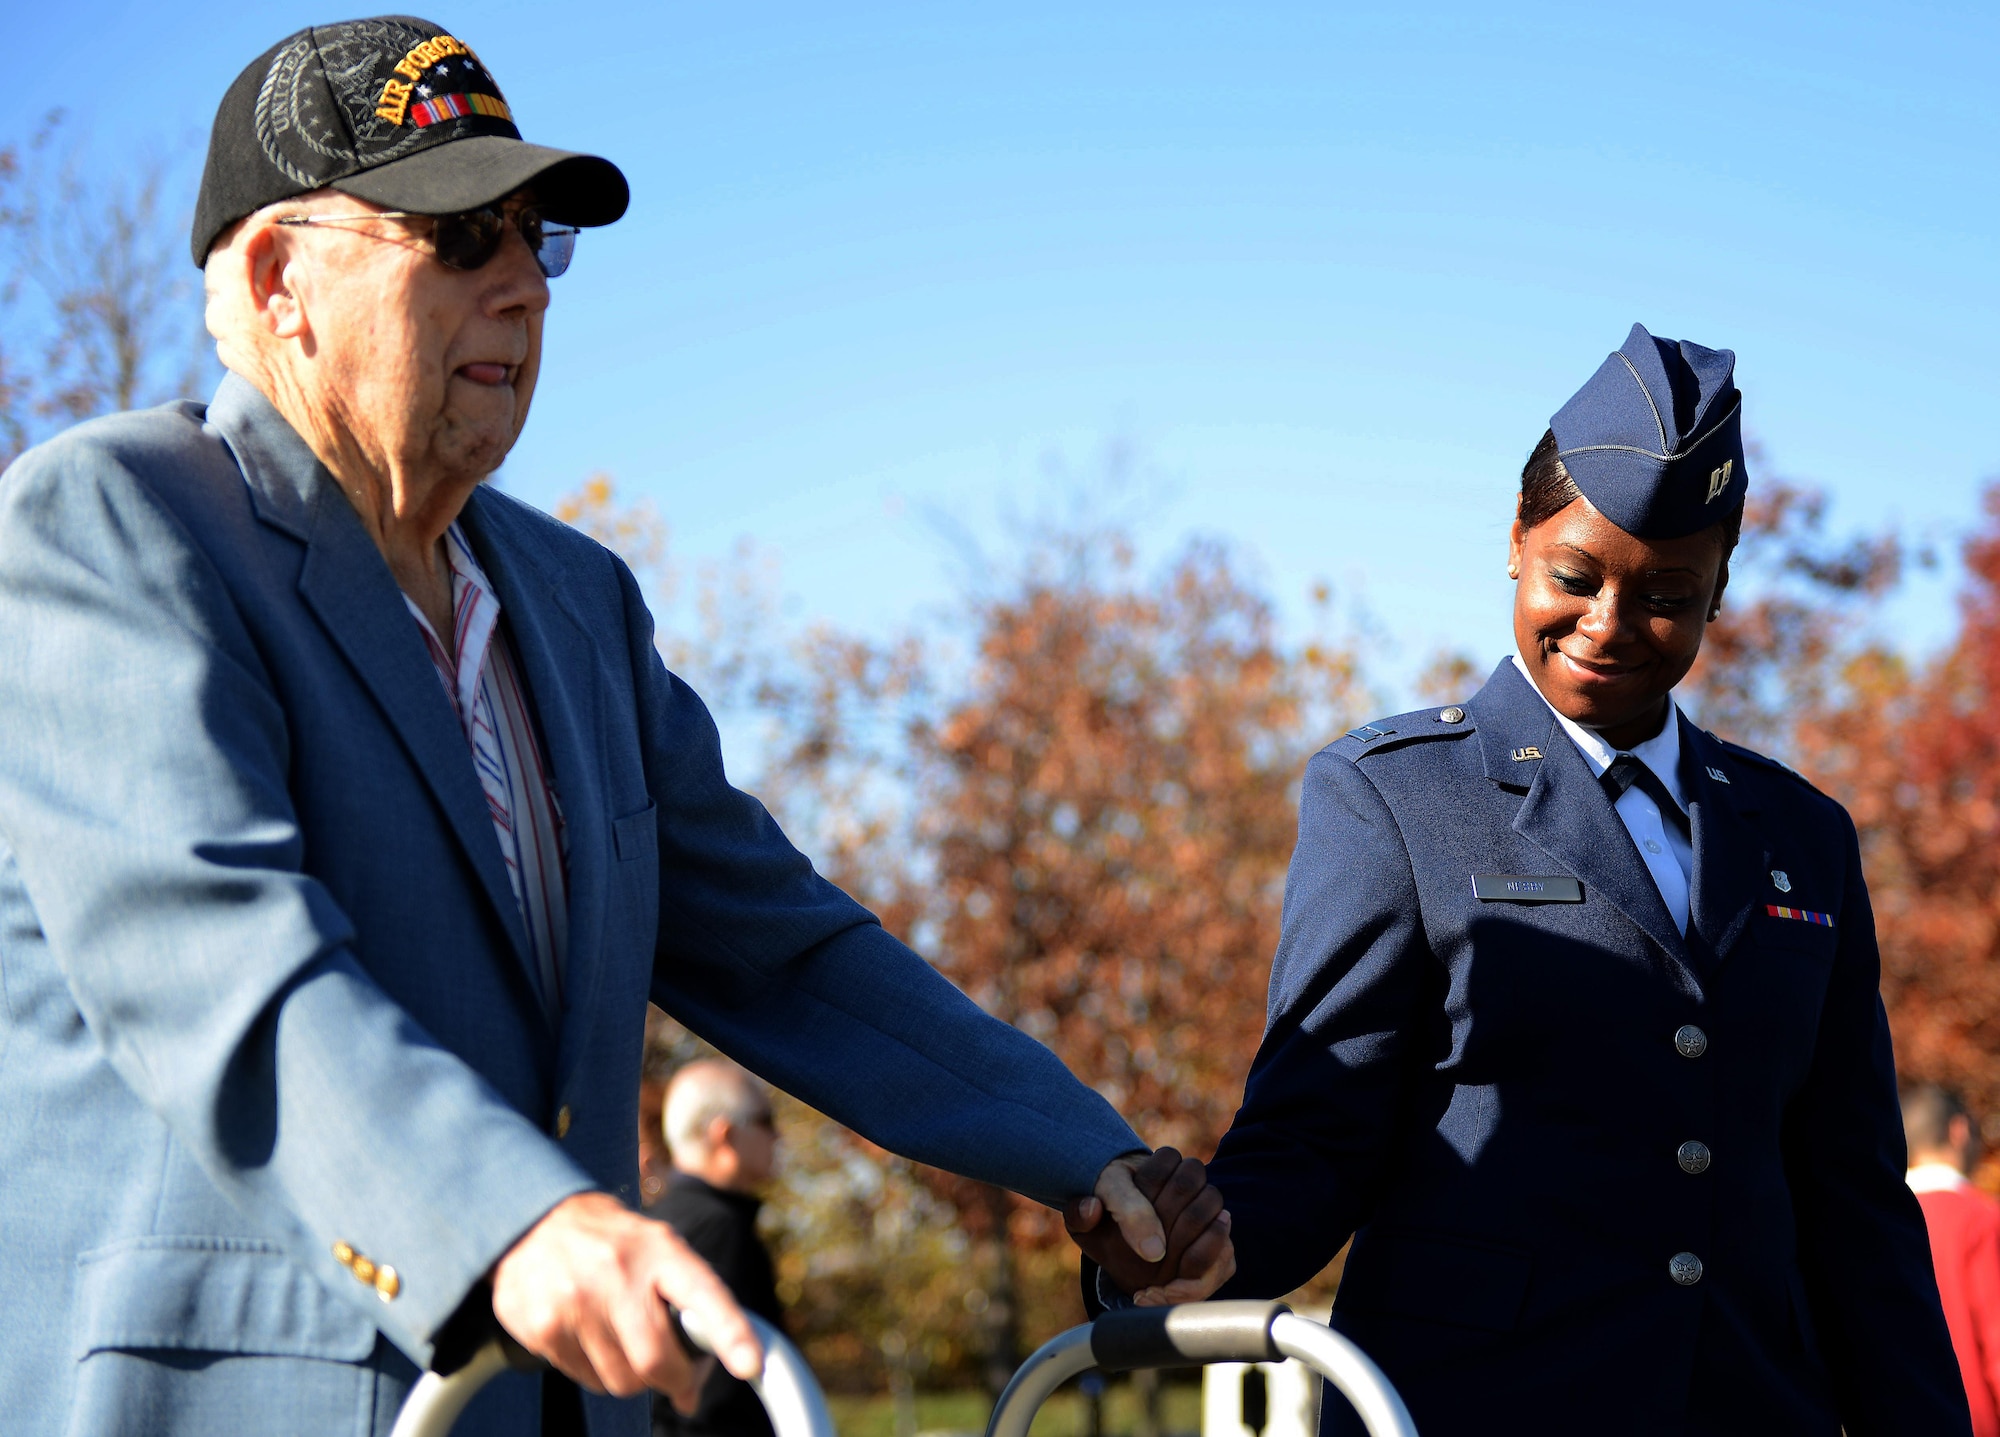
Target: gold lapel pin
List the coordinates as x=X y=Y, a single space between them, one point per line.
x=1522 y=755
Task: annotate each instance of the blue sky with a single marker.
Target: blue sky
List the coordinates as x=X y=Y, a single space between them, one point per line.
x=1325 y=269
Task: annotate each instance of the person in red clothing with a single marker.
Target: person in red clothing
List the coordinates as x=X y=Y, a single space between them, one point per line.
x=1965 y=1242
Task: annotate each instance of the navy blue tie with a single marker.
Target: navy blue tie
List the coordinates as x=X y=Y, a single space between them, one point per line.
x=1628 y=770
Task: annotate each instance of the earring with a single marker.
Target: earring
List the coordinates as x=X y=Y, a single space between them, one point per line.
x=1512 y=572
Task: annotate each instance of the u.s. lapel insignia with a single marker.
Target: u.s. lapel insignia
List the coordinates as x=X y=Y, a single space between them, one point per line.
x=1522 y=755
x=1718 y=775
x=1781 y=880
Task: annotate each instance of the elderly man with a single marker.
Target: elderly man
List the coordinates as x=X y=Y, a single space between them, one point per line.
x=348 y=819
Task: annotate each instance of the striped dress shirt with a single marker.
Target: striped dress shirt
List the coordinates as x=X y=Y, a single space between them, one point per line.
x=482 y=680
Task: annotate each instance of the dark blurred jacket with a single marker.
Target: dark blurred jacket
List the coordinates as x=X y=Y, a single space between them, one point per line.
x=722 y=1227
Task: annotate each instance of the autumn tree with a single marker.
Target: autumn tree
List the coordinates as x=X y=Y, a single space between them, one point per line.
x=1793 y=618
x=1106 y=813
x=1914 y=752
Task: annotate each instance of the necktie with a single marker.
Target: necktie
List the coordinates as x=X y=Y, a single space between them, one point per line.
x=1627 y=770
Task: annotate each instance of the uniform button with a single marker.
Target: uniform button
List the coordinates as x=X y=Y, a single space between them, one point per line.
x=1690 y=1041
x=387 y=1283
x=1694 y=1157
x=1651 y=846
x=363 y=1269
x=1454 y=714
x=562 y=1121
x=1684 y=1268
x=343 y=1254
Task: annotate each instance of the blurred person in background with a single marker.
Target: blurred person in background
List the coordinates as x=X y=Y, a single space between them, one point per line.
x=723 y=1141
x=1965 y=1241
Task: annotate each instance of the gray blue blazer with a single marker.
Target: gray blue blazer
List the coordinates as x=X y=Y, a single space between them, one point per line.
x=267 y=1015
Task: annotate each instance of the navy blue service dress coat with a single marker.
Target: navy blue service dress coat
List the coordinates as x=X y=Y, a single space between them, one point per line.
x=1494 y=1096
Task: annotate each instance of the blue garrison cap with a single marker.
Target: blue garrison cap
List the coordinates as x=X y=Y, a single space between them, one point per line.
x=1655 y=440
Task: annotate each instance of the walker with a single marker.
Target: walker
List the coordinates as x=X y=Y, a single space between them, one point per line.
x=1196 y=1334
x=1193 y=1334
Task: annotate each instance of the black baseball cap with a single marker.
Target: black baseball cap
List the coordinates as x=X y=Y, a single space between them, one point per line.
x=394 y=111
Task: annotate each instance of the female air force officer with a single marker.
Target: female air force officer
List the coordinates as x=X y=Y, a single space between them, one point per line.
x=1574 y=1021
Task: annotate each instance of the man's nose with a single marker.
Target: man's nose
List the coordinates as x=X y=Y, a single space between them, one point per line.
x=517 y=282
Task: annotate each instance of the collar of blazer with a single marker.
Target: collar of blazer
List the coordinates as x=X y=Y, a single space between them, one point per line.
x=347 y=586
x=1566 y=813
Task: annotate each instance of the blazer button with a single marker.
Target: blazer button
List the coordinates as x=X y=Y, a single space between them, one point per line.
x=562 y=1121
x=387 y=1283
x=343 y=1254
x=1694 y=1157
x=1684 y=1268
x=1690 y=1041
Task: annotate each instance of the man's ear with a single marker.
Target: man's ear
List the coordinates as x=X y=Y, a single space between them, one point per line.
x=273 y=269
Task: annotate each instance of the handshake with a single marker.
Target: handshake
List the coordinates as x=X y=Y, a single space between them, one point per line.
x=1167 y=1239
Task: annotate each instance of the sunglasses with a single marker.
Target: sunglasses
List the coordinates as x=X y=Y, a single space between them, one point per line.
x=470 y=238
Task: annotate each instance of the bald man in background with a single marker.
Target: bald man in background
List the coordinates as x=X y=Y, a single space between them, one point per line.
x=720 y=1132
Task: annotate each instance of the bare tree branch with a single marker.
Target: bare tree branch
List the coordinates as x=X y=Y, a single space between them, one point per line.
x=101 y=310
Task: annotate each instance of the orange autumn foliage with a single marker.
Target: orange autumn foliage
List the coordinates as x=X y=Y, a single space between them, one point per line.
x=1915 y=755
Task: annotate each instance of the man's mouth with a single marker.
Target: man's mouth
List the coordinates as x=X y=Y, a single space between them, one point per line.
x=483 y=373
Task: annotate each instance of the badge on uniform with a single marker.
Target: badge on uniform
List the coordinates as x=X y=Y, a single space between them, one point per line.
x=1526 y=888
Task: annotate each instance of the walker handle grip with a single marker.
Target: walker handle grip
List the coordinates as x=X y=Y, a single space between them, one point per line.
x=1133 y=1338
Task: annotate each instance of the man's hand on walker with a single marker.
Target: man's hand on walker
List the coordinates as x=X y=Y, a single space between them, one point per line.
x=588 y=1288
x=1168 y=1240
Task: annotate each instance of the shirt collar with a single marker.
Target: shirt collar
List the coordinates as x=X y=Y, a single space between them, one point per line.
x=464 y=567
x=1936 y=1178
x=1661 y=753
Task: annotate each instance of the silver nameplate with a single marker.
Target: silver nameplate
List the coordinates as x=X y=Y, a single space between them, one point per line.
x=1526 y=888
